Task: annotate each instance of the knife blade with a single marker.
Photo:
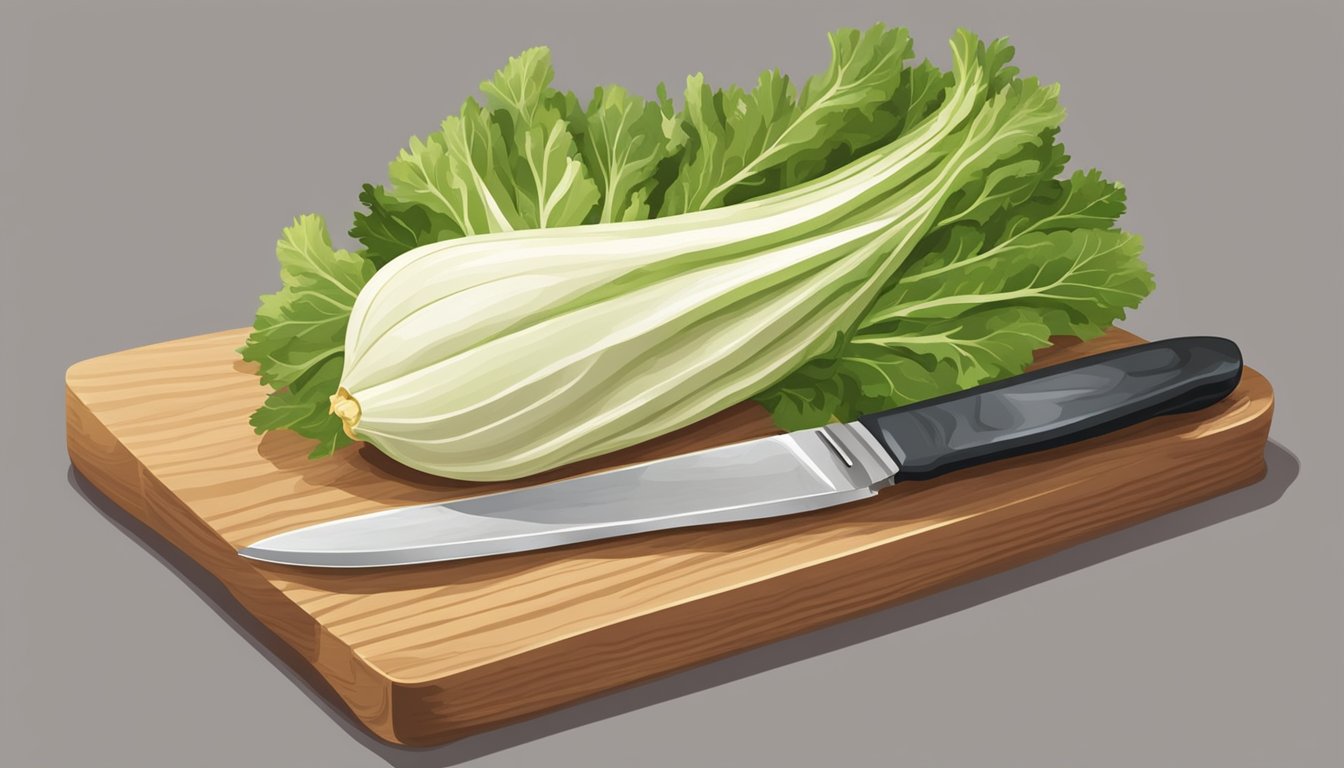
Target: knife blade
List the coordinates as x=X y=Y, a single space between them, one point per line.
x=787 y=474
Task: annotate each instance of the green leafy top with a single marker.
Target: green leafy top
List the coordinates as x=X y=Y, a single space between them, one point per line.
x=294 y=327
x=296 y=339
x=1018 y=254
x=622 y=142
x=740 y=135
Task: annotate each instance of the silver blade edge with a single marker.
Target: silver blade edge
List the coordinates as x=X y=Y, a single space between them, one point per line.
x=768 y=477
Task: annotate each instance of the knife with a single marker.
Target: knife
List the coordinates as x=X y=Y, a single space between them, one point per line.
x=787 y=474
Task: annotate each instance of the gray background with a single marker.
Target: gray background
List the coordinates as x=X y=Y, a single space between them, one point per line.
x=152 y=152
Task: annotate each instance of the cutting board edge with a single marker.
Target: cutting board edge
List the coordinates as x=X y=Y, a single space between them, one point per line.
x=365 y=690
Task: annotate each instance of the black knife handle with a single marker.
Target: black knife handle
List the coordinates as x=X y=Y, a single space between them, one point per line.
x=1057 y=405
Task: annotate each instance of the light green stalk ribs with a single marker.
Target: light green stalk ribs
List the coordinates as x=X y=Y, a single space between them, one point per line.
x=502 y=355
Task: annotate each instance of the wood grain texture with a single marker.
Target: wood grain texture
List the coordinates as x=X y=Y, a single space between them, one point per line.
x=426 y=654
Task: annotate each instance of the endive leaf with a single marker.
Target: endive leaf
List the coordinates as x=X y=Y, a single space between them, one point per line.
x=303 y=324
x=391 y=227
x=914 y=361
x=1085 y=278
x=920 y=91
x=622 y=144
x=551 y=185
x=738 y=135
x=979 y=321
x=299 y=332
x=462 y=171
x=303 y=408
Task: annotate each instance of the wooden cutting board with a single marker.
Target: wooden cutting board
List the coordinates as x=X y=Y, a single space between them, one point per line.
x=431 y=653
